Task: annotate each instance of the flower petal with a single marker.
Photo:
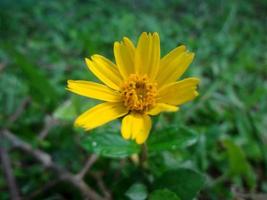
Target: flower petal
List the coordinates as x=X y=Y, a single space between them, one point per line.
x=100 y=114
x=105 y=71
x=124 y=53
x=136 y=127
x=179 y=92
x=126 y=126
x=173 y=65
x=162 y=107
x=93 y=90
x=147 y=56
x=142 y=128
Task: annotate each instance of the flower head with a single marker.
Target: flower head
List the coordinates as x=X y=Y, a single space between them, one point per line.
x=139 y=85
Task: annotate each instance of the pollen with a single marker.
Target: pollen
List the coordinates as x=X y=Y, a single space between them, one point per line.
x=139 y=93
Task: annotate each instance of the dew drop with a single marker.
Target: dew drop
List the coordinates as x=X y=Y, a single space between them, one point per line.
x=94 y=144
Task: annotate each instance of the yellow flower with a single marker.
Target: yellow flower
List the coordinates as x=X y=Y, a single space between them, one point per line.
x=138 y=86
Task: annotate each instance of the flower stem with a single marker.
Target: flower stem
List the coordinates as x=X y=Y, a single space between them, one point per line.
x=143 y=156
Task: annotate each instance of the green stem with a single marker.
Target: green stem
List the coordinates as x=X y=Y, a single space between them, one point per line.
x=143 y=156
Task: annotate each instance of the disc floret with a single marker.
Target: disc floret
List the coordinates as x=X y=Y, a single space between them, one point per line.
x=139 y=93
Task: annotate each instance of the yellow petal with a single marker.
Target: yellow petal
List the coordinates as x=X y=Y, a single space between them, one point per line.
x=162 y=107
x=131 y=48
x=164 y=69
x=173 y=65
x=105 y=71
x=126 y=127
x=124 y=53
x=147 y=56
x=172 y=55
x=93 y=90
x=179 y=92
x=136 y=127
x=100 y=114
x=142 y=128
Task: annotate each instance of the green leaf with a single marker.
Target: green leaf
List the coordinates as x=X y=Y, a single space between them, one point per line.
x=67 y=111
x=185 y=183
x=137 y=191
x=109 y=145
x=239 y=165
x=40 y=87
x=163 y=194
x=171 y=138
x=71 y=108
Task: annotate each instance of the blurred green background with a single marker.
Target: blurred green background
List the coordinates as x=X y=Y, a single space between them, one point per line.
x=221 y=136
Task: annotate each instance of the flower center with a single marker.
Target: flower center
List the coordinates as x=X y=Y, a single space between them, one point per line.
x=139 y=93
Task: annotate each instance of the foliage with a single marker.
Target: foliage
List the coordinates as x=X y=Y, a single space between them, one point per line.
x=213 y=148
